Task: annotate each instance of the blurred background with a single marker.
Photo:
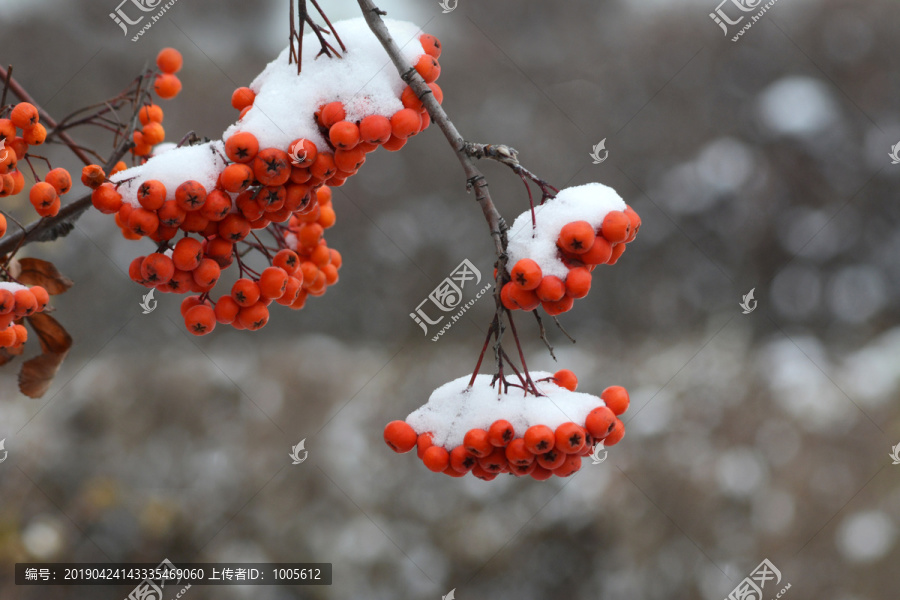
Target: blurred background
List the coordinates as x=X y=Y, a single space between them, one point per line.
x=758 y=164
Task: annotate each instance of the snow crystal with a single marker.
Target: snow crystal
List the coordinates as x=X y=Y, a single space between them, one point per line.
x=12 y=286
x=454 y=408
x=365 y=80
x=590 y=202
x=202 y=163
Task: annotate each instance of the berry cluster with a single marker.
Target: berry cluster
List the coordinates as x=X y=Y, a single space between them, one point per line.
x=581 y=246
x=497 y=446
x=241 y=185
x=44 y=195
x=167 y=85
x=16 y=302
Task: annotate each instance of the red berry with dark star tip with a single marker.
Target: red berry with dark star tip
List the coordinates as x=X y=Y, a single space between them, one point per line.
x=518 y=454
x=570 y=438
x=551 y=459
x=600 y=422
x=615 y=436
x=200 y=320
x=576 y=237
x=494 y=462
x=461 y=461
x=570 y=465
x=501 y=433
x=539 y=439
x=526 y=274
x=400 y=436
x=541 y=474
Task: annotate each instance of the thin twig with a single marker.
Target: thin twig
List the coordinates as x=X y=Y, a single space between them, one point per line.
x=540 y=323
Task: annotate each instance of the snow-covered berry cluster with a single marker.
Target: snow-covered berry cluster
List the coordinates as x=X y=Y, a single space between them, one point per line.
x=468 y=426
x=18 y=301
x=553 y=251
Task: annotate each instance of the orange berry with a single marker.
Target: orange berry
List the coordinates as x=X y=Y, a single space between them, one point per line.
x=570 y=438
x=616 y=398
x=242 y=147
x=336 y=258
x=7 y=337
x=287 y=260
x=539 y=439
x=615 y=436
x=332 y=113
x=327 y=217
x=598 y=254
x=152 y=194
x=170 y=214
x=93 y=176
x=349 y=160
x=551 y=459
x=395 y=143
x=323 y=167
x=18 y=182
x=42 y=297
x=400 y=436
x=153 y=133
x=566 y=379
x=617 y=251
x=551 y=289
x=477 y=443
x=571 y=464
x=200 y=319
x=169 y=60
x=576 y=237
x=60 y=180
x=167 y=85
x=291 y=291
x=7 y=183
x=436 y=459
x=272 y=166
x=272 y=283
x=245 y=292
x=21 y=334
x=305 y=151
x=42 y=195
x=187 y=254
x=26 y=303
x=526 y=300
x=599 y=422
x=7 y=302
x=616 y=226
x=635 y=220
x=150 y=113
x=331 y=274
x=207 y=273
x=157 y=268
x=190 y=195
x=526 y=274
x=461 y=461
x=431 y=45
x=3 y=225
x=254 y=317
x=405 y=122
x=226 y=310
x=375 y=129
x=578 y=282
x=437 y=92
x=236 y=178
x=242 y=98
x=35 y=135
x=522 y=470
x=518 y=454
x=428 y=68
x=557 y=308
x=410 y=99
x=480 y=473
x=217 y=205
x=344 y=134
x=495 y=462
x=24 y=115
x=501 y=433
x=423 y=443
x=7 y=131
x=190 y=302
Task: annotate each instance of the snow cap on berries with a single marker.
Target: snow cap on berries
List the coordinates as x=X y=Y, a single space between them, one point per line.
x=590 y=202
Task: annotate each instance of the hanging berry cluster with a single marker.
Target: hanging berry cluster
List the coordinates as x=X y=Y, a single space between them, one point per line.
x=467 y=426
x=17 y=302
x=203 y=204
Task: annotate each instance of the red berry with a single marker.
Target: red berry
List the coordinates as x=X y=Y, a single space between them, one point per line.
x=616 y=226
x=436 y=459
x=501 y=433
x=539 y=439
x=569 y=438
x=477 y=443
x=400 y=436
x=616 y=398
x=526 y=274
x=576 y=237
x=518 y=454
x=567 y=379
x=616 y=435
x=600 y=422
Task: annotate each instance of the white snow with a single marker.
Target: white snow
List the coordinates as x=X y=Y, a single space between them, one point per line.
x=202 y=163
x=364 y=80
x=453 y=409
x=590 y=202
x=12 y=286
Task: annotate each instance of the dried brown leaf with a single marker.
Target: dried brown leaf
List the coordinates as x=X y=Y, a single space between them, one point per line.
x=34 y=271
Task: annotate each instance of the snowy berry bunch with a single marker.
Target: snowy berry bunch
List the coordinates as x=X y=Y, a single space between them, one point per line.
x=16 y=302
x=553 y=252
x=298 y=135
x=468 y=426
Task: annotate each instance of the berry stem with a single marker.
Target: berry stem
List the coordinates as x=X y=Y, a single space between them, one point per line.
x=487 y=340
x=543 y=331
